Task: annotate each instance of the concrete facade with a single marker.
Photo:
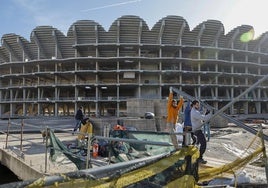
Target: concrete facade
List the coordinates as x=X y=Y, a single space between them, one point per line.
x=53 y=74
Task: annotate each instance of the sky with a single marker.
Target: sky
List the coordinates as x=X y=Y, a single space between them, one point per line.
x=22 y=16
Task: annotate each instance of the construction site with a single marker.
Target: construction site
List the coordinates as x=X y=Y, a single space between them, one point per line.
x=127 y=70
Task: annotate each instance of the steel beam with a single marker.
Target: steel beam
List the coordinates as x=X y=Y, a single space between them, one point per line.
x=221 y=111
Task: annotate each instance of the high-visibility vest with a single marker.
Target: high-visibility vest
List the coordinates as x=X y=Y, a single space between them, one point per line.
x=95 y=149
x=119 y=127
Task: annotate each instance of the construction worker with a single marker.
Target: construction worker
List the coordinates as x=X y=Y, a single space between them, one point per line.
x=197 y=120
x=172 y=111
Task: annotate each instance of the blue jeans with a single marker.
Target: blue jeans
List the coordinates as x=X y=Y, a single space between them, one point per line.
x=77 y=124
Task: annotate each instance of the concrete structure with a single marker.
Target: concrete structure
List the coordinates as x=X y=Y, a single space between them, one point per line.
x=27 y=159
x=23 y=170
x=53 y=74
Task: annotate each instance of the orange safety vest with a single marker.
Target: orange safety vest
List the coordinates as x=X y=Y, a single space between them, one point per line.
x=119 y=127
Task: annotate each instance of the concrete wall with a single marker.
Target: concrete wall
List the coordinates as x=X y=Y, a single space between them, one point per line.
x=138 y=107
x=18 y=167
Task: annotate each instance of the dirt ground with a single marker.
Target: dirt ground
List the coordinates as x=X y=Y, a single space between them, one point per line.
x=227 y=144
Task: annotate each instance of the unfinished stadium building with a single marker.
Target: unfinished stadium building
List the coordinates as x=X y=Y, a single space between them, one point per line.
x=53 y=74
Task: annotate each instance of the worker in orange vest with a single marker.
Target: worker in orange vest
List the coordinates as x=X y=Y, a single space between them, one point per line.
x=119 y=126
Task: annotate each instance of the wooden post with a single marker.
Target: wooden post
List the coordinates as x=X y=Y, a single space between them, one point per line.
x=8 y=125
x=47 y=134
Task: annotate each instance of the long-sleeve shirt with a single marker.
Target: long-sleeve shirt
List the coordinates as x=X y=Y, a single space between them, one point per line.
x=172 y=112
x=79 y=115
x=198 y=119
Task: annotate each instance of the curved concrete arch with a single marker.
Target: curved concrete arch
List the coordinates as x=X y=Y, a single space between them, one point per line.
x=44 y=38
x=209 y=33
x=4 y=55
x=9 y=41
x=233 y=40
x=26 y=47
x=83 y=32
x=170 y=30
x=128 y=29
x=262 y=43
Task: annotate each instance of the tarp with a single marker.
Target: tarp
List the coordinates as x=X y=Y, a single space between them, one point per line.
x=57 y=148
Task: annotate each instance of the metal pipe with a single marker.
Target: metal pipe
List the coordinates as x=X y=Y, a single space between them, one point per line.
x=239 y=96
x=134 y=141
x=21 y=134
x=221 y=111
x=264 y=153
x=8 y=125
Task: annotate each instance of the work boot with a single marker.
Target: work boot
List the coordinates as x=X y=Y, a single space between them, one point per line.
x=202 y=161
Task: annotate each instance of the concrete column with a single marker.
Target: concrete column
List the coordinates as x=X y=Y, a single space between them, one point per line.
x=118 y=103
x=245 y=107
x=96 y=102
x=258 y=107
x=117 y=109
x=23 y=104
x=56 y=104
x=11 y=111
x=56 y=109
